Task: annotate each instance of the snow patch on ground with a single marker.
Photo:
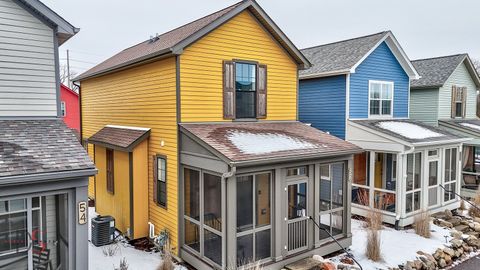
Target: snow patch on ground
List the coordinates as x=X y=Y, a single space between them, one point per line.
x=397 y=247
x=477 y=127
x=408 y=130
x=136 y=259
x=263 y=143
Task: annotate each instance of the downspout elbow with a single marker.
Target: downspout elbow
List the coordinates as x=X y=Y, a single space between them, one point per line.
x=230 y=173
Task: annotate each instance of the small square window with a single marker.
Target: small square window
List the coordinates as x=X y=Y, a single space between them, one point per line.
x=297 y=171
x=63 y=109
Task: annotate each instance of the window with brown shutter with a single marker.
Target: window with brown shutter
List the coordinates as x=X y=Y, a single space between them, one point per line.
x=459 y=101
x=244 y=90
x=110 y=172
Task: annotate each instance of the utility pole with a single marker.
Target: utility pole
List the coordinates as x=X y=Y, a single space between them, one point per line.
x=68 y=70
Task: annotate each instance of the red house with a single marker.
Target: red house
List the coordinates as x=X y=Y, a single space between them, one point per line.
x=70 y=108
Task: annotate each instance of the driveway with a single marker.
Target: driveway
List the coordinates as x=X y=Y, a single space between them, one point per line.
x=472 y=264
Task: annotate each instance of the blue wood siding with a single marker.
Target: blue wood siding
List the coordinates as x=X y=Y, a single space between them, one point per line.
x=322 y=104
x=380 y=65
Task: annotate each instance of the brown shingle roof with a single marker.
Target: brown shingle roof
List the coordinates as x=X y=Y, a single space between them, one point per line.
x=240 y=142
x=173 y=42
x=29 y=147
x=120 y=137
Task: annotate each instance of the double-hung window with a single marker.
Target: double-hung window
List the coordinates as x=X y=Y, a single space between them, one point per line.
x=161 y=181
x=63 y=108
x=380 y=98
x=245 y=90
x=459 y=95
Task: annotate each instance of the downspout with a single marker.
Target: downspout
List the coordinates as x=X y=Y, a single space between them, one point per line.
x=409 y=151
x=80 y=110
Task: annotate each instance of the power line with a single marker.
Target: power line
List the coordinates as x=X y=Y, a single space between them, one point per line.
x=76 y=60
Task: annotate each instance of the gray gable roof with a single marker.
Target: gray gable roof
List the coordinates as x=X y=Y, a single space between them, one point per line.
x=174 y=41
x=343 y=57
x=30 y=147
x=435 y=72
x=339 y=56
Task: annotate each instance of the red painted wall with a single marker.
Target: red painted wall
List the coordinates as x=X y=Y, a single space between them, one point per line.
x=70 y=98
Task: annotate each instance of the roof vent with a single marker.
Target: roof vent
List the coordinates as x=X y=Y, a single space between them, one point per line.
x=154 y=38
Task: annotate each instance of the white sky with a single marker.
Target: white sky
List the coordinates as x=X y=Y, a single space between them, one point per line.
x=424 y=28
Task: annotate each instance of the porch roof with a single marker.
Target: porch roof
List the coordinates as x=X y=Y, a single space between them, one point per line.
x=260 y=141
x=410 y=132
x=466 y=127
x=40 y=147
x=122 y=138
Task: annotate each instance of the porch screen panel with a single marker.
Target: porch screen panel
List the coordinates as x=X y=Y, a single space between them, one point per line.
x=192 y=208
x=433 y=183
x=212 y=217
x=361 y=179
x=253 y=218
x=414 y=180
x=450 y=174
x=331 y=218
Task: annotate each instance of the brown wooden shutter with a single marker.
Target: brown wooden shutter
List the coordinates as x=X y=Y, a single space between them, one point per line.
x=464 y=101
x=262 y=92
x=228 y=90
x=155 y=177
x=454 y=99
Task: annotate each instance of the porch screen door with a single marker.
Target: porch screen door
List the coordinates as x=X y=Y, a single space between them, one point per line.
x=433 y=189
x=297 y=223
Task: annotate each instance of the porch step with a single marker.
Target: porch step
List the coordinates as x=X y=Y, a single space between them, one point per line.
x=305 y=264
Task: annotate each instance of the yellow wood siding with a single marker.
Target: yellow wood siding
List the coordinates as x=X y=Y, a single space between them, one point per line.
x=143 y=96
x=240 y=38
x=118 y=203
x=91 y=180
x=140 y=190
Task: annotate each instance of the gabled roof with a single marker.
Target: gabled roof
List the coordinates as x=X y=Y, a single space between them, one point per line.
x=31 y=147
x=65 y=30
x=409 y=132
x=345 y=56
x=261 y=142
x=120 y=137
x=175 y=41
x=436 y=71
x=66 y=88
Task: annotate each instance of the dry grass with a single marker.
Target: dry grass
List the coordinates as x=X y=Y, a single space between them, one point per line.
x=123 y=265
x=422 y=224
x=247 y=265
x=167 y=261
x=472 y=211
x=374 y=226
x=462 y=205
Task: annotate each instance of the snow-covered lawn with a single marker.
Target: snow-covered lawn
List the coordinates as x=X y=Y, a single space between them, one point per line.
x=136 y=259
x=397 y=247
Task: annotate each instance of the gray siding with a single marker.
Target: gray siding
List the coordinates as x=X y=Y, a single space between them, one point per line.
x=424 y=105
x=27 y=64
x=460 y=77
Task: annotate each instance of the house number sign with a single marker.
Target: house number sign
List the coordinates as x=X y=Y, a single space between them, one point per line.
x=82 y=213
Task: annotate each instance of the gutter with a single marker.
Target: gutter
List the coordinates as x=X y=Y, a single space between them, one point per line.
x=46 y=177
x=325 y=74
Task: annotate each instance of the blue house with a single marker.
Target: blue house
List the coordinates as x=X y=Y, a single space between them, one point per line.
x=359 y=90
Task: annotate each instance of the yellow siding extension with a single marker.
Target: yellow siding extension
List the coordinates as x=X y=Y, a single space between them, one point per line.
x=140 y=190
x=118 y=203
x=143 y=96
x=91 y=180
x=240 y=38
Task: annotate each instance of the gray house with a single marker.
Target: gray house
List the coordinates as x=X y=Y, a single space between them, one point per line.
x=43 y=169
x=446 y=96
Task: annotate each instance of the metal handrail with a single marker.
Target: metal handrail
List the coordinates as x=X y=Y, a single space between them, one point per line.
x=331 y=236
x=458 y=195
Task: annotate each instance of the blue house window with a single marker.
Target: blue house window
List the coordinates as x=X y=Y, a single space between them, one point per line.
x=380 y=98
x=246 y=91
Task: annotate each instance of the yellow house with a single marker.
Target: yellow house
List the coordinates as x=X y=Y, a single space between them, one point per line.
x=195 y=132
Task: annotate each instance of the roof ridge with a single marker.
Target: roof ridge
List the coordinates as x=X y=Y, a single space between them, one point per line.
x=350 y=39
x=438 y=57
x=194 y=21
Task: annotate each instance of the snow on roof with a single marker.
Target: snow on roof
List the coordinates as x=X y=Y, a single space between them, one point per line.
x=262 y=143
x=408 y=130
x=469 y=125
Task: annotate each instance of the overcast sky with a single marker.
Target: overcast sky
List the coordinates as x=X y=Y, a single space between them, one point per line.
x=424 y=28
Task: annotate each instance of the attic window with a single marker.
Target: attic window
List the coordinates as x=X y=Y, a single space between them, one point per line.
x=380 y=98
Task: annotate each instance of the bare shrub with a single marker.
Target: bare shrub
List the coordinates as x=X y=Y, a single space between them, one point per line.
x=462 y=205
x=374 y=219
x=110 y=250
x=167 y=261
x=472 y=211
x=422 y=224
x=123 y=265
x=373 y=250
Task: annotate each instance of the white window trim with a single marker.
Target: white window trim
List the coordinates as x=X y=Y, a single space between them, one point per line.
x=381 y=116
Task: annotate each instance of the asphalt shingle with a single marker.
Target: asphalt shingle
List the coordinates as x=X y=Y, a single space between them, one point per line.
x=125 y=138
x=39 y=146
x=339 y=56
x=435 y=72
